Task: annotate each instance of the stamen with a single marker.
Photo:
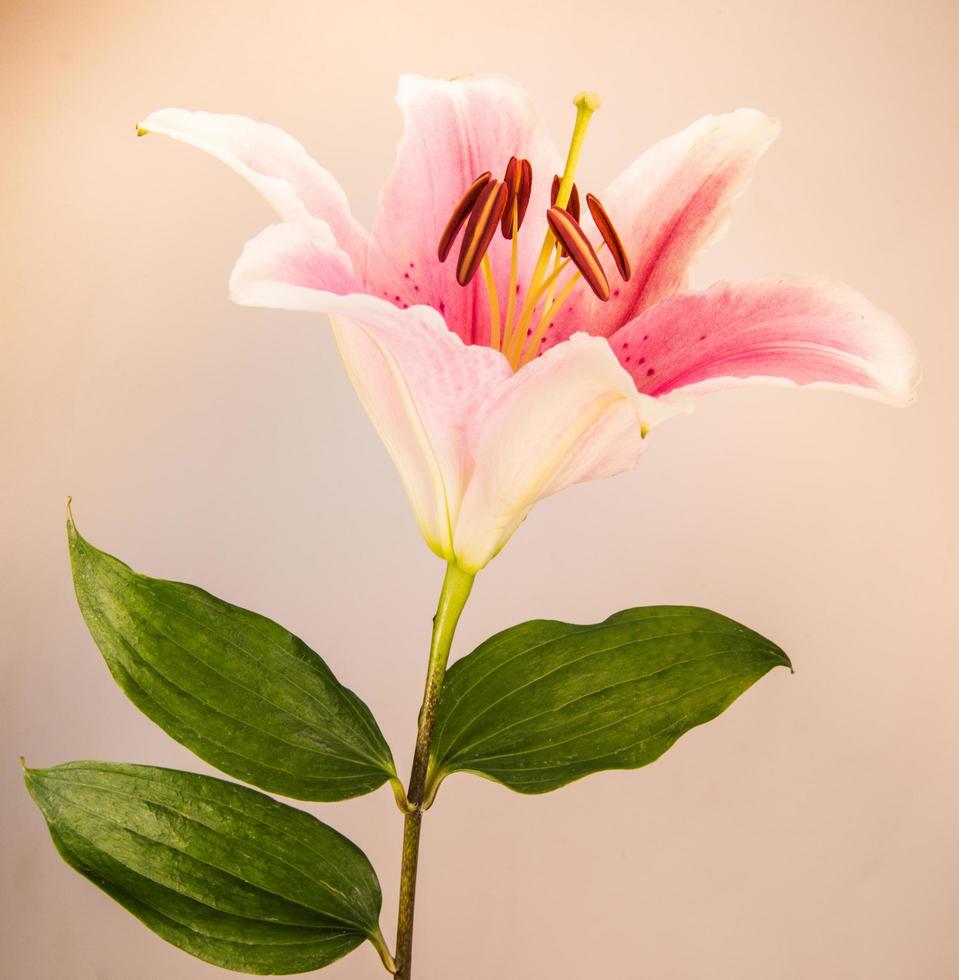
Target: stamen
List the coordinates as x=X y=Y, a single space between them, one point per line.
x=572 y=205
x=573 y=238
x=460 y=214
x=514 y=339
x=551 y=310
x=513 y=272
x=586 y=104
x=480 y=229
x=610 y=236
x=561 y=255
x=519 y=183
x=494 y=327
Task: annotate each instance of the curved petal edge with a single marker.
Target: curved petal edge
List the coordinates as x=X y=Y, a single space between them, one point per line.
x=802 y=332
x=571 y=415
x=275 y=164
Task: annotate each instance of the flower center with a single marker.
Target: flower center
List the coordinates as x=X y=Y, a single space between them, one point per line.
x=489 y=204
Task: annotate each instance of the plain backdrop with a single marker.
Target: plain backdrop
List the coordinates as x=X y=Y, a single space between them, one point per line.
x=811 y=830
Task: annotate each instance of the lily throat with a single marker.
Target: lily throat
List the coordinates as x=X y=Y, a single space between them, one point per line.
x=566 y=257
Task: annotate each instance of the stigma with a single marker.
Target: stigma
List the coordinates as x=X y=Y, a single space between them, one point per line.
x=489 y=205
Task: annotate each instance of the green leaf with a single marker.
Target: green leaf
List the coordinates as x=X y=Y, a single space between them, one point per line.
x=544 y=703
x=234 y=687
x=219 y=870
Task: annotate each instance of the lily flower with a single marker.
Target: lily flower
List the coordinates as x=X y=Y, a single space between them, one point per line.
x=543 y=351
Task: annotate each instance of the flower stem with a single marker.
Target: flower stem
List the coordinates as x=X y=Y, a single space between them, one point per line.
x=456 y=589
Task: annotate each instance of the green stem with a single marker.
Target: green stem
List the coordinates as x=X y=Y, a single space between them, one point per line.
x=456 y=589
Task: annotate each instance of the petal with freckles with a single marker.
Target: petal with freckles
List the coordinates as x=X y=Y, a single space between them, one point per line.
x=274 y=163
x=452 y=132
x=419 y=383
x=667 y=207
x=571 y=415
x=774 y=331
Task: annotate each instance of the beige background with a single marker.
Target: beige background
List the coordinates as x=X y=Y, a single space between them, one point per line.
x=811 y=831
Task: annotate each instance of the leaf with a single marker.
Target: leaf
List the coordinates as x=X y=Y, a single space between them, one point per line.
x=544 y=703
x=234 y=687
x=219 y=870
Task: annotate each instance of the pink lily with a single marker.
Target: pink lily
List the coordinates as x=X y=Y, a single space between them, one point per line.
x=485 y=414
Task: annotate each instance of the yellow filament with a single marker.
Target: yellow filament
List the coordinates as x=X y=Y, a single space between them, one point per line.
x=537 y=338
x=551 y=309
x=552 y=289
x=493 y=302
x=514 y=343
x=513 y=266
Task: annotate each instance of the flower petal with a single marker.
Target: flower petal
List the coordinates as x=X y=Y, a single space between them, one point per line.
x=294 y=253
x=419 y=383
x=774 y=331
x=453 y=131
x=421 y=386
x=667 y=206
x=274 y=163
x=571 y=415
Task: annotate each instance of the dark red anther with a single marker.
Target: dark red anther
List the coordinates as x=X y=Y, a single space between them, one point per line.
x=613 y=242
x=460 y=214
x=485 y=216
x=569 y=234
x=519 y=184
x=572 y=205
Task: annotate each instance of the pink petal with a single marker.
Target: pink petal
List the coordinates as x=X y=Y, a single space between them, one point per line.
x=420 y=385
x=453 y=131
x=295 y=253
x=277 y=166
x=774 y=331
x=569 y=416
x=667 y=206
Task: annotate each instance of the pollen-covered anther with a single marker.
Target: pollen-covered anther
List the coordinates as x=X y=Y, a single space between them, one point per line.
x=519 y=185
x=483 y=220
x=460 y=214
x=610 y=236
x=569 y=234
